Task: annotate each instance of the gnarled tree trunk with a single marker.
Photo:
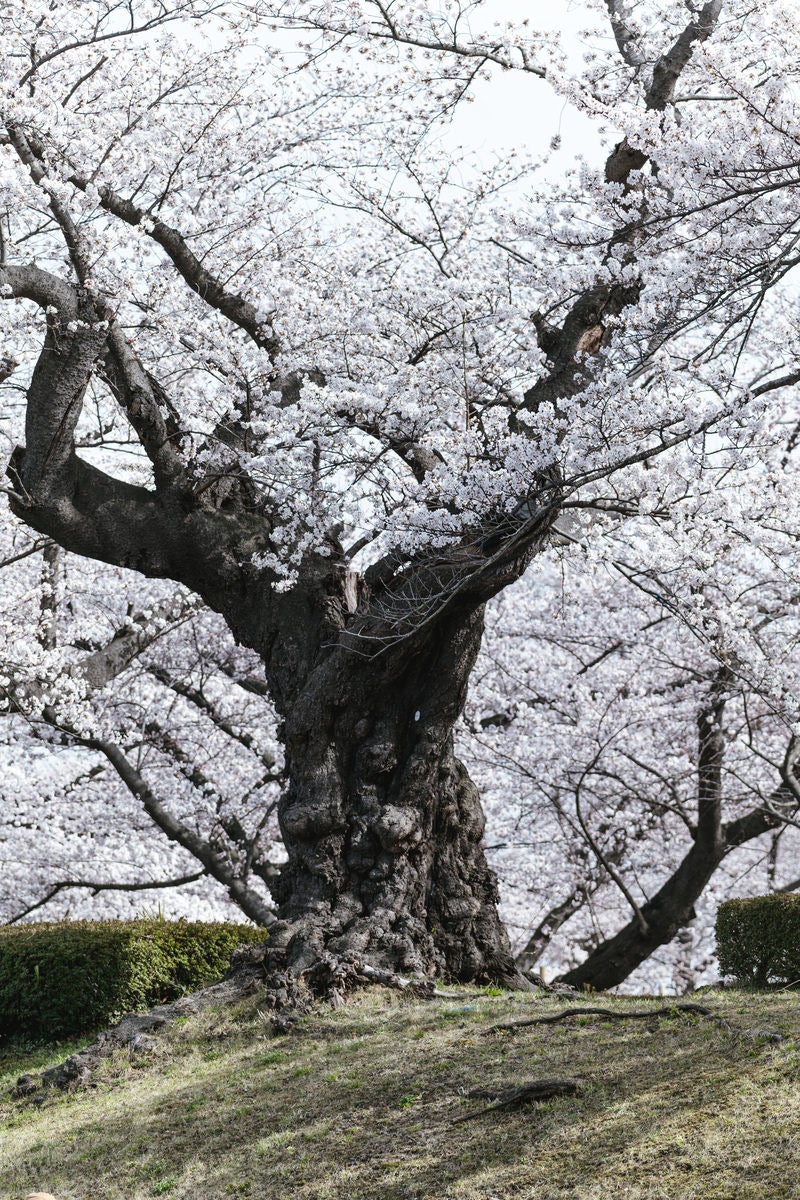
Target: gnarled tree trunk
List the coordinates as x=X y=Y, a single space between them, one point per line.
x=382 y=824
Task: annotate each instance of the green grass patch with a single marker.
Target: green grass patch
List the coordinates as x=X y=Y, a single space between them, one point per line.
x=359 y=1102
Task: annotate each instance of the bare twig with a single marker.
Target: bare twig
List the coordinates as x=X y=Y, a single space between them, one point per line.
x=96 y=888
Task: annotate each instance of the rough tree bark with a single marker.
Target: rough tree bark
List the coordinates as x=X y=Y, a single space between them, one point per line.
x=382 y=824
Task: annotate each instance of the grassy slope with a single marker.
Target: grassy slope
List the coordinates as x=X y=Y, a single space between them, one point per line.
x=357 y=1104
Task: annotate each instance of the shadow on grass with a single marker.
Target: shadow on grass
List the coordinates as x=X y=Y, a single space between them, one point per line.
x=360 y=1103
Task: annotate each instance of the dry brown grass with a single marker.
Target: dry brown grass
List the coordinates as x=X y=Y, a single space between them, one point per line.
x=357 y=1104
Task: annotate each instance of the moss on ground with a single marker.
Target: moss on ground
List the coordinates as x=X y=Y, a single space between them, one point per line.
x=358 y=1104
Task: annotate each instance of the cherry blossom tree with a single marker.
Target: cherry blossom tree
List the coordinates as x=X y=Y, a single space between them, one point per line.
x=581 y=730
x=272 y=349
x=634 y=724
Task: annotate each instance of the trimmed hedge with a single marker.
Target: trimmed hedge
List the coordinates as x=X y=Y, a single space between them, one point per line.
x=758 y=940
x=62 y=978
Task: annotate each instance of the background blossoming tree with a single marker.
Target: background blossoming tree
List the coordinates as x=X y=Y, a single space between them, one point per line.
x=633 y=725
x=274 y=348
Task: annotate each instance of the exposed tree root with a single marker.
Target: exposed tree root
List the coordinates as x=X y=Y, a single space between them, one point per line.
x=331 y=978
x=286 y=995
x=134 y=1033
x=513 y=1098
x=671 y=1010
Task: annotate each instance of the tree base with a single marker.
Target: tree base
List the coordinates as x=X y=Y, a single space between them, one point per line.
x=287 y=995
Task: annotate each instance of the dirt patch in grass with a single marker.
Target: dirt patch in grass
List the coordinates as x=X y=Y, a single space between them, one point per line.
x=358 y=1104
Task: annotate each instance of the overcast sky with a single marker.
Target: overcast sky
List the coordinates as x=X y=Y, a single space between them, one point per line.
x=514 y=110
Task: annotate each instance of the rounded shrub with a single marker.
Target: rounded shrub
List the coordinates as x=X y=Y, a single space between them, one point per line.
x=62 y=978
x=758 y=939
